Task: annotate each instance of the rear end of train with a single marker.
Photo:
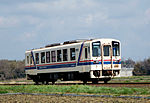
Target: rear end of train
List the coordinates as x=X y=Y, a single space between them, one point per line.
x=106 y=59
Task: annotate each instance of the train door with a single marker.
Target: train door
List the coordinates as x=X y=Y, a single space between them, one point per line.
x=30 y=68
x=31 y=61
x=106 y=57
x=96 y=58
x=27 y=62
x=96 y=55
x=86 y=57
x=77 y=56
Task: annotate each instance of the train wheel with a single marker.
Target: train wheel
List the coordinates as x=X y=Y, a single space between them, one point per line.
x=36 y=82
x=53 y=82
x=47 y=83
x=105 y=81
x=84 y=81
x=43 y=82
x=95 y=81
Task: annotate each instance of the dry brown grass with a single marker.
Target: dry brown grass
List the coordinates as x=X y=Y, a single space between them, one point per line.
x=65 y=99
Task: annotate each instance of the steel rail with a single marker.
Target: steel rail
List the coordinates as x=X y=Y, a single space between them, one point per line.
x=99 y=84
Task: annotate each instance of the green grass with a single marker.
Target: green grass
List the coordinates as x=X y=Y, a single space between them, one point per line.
x=74 y=89
x=132 y=79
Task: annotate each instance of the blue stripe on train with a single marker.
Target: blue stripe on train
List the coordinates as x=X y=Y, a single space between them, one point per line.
x=52 y=66
x=80 y=53
x=57 y=66
x=91 y=63
x=68 y=65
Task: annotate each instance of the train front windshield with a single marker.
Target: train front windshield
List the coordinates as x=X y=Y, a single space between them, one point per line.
x=96 y=51
x=116 y=48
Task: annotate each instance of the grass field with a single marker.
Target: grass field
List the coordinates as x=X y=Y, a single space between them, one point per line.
x=77 y=89
x=132 y=79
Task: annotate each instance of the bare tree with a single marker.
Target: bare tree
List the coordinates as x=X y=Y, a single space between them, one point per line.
x=12 y=69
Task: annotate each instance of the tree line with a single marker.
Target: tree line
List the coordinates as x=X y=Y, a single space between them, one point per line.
x=12 y=69
x=140 y=67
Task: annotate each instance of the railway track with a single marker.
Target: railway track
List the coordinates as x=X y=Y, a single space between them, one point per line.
x=145 y=84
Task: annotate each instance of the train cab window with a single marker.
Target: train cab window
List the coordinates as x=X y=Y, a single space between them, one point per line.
x=86 y=53
x=59 y=56
x=106 y=50
x=27 y=59
x=48 y=57
x=43 y=57
x=116 y=50
x=96 y=51
x=72 y=54
x=37 y=58
x=53 y=56
x=65 y=55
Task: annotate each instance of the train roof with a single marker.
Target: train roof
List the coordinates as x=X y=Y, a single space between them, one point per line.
x=72 y=42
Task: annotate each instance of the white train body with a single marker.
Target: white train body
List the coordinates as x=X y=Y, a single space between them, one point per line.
x=86 y=60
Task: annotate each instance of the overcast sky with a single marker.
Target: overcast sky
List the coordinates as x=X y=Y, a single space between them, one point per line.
x=27 y=24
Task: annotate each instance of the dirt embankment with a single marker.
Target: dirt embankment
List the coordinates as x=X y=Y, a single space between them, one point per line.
x=65 y=99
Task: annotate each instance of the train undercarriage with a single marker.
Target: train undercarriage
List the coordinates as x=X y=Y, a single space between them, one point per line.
x=45 y=78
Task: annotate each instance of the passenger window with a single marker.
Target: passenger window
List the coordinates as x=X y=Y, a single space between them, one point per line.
x=37 y=58
x=86 y=53
x=65 y=55
x=43 y=57
x=89 y=50
x=59 y=55
x=53 y=56
x=48 y=57
x=106 y=50
x=72 y=54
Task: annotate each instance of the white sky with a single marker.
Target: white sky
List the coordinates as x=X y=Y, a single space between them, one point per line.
x=27 y=24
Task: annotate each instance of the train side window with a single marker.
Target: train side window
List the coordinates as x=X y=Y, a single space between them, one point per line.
x=27 y=59
x=65 y=55
x=43 y=57
x=72 y=54
x=48 y=57
x=59 y=56
x=53 y=56
x=89 y=50
x=86 y=53
x=37 y=58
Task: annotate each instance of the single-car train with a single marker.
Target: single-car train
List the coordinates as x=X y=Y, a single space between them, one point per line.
x=86 y=60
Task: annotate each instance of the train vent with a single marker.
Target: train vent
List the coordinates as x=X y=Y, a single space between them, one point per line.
x=73 y=41
x=51 y=45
